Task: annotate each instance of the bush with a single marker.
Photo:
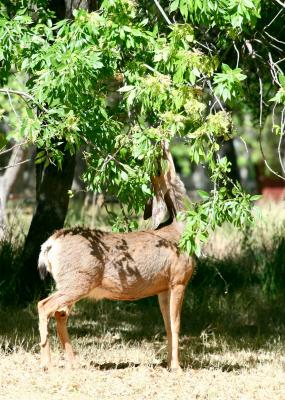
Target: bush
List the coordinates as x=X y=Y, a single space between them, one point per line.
x=11 y=246
x=245 y=288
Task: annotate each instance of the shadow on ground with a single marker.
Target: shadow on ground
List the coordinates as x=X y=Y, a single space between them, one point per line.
x=209 y=328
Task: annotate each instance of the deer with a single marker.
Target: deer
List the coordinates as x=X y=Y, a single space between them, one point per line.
x=93 y=264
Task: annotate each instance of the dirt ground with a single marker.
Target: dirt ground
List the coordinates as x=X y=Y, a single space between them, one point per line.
x=111 y=367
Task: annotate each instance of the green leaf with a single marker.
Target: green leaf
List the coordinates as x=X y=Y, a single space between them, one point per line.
x=40 y=160
x=41 y=154
x=124 y=176
x=174 y=5
x=204 y=195
x=282 y=80
x=146 y=189
x=256 y=197
x=127 y=88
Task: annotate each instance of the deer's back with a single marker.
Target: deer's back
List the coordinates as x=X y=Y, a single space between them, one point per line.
x=118 y=266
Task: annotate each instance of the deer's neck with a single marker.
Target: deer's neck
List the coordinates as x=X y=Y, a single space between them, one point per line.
x=172 y=231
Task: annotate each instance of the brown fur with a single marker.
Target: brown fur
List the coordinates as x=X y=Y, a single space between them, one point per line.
x=120 y=266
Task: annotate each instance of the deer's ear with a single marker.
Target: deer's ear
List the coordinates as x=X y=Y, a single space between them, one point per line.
x=156 y=209
x=159 y=207
x=148 y=209
x=159 y=210
x=167 y=189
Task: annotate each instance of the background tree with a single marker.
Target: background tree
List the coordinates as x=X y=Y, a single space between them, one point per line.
x=8 y=179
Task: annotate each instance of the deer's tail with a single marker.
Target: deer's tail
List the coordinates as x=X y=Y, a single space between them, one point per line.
x=43 y=263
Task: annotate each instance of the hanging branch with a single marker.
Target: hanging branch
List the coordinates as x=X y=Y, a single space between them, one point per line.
x=280 y=140
x=260 y=129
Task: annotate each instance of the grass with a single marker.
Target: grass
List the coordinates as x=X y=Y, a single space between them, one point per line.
x=232 y=339
x=121 y=351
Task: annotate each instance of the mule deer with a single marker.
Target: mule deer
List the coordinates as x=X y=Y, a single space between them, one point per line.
x=120 y=266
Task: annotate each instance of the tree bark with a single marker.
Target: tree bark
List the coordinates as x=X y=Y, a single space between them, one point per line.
x=52 y=204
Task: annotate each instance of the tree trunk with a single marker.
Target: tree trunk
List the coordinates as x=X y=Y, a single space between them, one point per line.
x=52 y=193
x=7 y=181
x=52 y=204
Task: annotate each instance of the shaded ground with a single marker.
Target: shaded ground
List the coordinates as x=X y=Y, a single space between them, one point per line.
x=121 y=353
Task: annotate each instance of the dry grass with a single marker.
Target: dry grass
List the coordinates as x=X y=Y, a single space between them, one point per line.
x=227 y=240
x=122 y=358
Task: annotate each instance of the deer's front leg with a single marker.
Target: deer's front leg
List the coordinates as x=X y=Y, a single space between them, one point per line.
x=61 y=325
x=163 y=299
x=176 y=298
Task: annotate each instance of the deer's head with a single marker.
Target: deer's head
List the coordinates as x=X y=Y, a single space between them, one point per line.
x=169 y=192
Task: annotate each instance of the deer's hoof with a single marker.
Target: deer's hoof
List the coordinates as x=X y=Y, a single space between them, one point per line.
x=176 y=369
x=45 y=367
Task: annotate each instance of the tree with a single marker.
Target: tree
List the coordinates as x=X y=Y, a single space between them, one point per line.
x=171 y=77
x=8 y=179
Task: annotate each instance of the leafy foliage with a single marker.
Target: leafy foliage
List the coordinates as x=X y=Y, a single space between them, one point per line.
x=233 y=15
x=228 y=83
x=120 y=82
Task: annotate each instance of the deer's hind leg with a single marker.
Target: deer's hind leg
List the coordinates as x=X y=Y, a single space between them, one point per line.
x=47 y=308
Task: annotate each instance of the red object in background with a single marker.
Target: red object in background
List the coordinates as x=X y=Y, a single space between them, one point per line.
x=272 y=188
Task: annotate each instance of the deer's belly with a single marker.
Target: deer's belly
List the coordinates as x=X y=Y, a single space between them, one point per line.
x=118 y=290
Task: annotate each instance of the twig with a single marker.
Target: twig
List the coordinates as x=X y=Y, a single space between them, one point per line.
x=216 y=97
x=274 y=38
x=272 y=69
x=279 y=61
x=162 y=12
x=244 y=142
x=11 y=148
x=273 y=45
x=236 y=49
x=280 y=2
x=14 y=165
x=213 y=106
x=11 y=104
x=280 y=141
x=204 y=46
x=276 y=16
x=249 y=47
x=24 y=95
x=107 y=158
x=260 y=130
x=153 y=70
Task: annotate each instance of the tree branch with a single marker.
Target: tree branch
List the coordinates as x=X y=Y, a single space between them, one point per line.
x=280 y=3
x=280 y=141
x=24 y=95
x=162 y=12
x=11 y=148
x=15 y=164
x=260 y=129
